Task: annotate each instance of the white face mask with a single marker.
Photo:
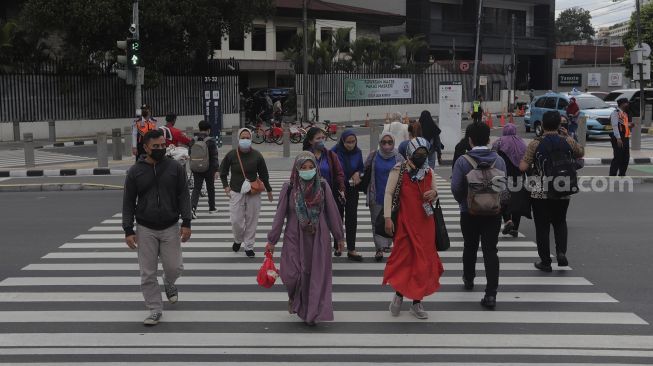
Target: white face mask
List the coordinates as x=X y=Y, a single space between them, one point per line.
x=245 y=144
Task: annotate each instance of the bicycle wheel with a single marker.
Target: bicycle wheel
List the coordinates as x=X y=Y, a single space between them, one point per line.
x=258 y=135
x=332 y=136
x=296 y=137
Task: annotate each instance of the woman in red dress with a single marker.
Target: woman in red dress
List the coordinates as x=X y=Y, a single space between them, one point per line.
x=414 y=267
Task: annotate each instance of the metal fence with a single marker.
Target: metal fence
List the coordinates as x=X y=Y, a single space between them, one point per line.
x=50 y=93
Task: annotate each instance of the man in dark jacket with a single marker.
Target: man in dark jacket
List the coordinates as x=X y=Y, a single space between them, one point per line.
x=156 y=194
x=477 y=228
x=209 y=175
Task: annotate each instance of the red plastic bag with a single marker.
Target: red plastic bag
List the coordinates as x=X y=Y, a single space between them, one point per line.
x=268 y=273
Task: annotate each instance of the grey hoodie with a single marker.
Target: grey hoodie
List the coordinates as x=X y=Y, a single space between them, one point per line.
x=462 y=167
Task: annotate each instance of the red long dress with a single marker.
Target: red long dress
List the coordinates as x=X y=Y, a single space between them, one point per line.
x=414 y=267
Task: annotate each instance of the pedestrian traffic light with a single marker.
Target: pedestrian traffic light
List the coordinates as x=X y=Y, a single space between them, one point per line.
x=129 y=71
x=133 y=52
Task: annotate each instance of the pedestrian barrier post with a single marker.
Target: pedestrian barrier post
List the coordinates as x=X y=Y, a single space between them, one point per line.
x=512 y=119
x=387 y=118
x=367 y=120
x=16 y=131
x=28 y=147
x=581 y=132
x=52 y=131
x=127 y=131
x=648 y=115
x=189 y=132
x=286 y=142
x=374 y=137
x=116 y=141
x=234 y=136
x=102 y=150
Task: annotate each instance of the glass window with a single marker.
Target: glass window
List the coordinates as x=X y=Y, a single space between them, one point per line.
x=540 y=102
x=326 y=35
x=613 y=96
x=591 y=102
x=236 y=40
x=562 y=104
x=284 y=38
x=258 y=38
x=551 y=102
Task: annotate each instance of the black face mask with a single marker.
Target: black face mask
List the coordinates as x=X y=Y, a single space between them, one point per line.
x=157 y=154
x=418 y=161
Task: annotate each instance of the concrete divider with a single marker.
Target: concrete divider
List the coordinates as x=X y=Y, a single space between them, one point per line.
x=102 y=150
x=28 y=147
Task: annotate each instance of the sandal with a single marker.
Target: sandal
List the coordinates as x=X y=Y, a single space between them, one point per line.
x=379 y=255
x=354 y=257
x=337 y=253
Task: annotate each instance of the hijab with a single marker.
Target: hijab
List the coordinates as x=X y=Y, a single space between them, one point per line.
x=388 y=155
x=309 y=196
x=430 y=130
x=419 y=173
x=342 y=151
x=511 y=144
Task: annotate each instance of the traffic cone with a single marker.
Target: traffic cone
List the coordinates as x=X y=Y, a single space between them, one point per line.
x=367 y=120
x=503 y=120
x=489 y=120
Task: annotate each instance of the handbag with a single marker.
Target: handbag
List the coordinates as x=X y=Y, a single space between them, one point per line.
x=268 y=272
x=442 y=242
x=379 y=222
x=520 y=202
x=257 y=185
x=367 y=176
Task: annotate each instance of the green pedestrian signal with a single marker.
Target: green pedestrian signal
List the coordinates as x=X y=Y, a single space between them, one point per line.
x=134 y=52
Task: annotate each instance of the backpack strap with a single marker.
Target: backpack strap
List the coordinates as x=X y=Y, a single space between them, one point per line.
x=471 y=161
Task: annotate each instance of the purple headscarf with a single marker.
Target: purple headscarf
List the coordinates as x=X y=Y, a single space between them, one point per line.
x=511 y=144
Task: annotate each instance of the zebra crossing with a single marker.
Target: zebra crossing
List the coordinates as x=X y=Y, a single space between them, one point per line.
x=82 y=303
x=16 y=158
x=647 y=143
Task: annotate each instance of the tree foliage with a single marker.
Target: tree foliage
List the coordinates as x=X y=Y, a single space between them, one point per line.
x=574 y=24
x=630 y=38
x=171 y=31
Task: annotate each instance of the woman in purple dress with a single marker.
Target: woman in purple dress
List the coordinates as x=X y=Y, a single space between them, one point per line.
x=309 y=210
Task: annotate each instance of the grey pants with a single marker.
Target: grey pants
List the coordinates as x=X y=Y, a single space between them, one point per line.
x=379 y=241
x=152 y=245
x=244 y=210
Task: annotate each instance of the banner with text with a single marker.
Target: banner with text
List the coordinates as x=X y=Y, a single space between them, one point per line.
x=386 y=88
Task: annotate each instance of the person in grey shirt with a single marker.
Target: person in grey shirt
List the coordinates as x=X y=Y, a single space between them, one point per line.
x=156 y=195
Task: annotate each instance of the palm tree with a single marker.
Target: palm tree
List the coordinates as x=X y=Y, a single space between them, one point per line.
x=412 y=46
x=7 y=34
x=341 y=41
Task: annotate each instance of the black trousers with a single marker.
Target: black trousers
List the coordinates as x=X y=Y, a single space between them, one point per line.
x=477 y=117
x=483 y=229
x=508 y=216
x=547 y=213
x=621 y=157
x=199 y=179
x=349 y=212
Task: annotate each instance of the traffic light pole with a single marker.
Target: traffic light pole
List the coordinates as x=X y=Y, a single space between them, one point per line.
x=637 y=133
x=138 y=91
x=478 y=38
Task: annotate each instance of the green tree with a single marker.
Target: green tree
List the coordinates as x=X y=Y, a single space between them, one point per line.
x=646 y=35
x=172 y=32
x=574 y=24
x=412 y=46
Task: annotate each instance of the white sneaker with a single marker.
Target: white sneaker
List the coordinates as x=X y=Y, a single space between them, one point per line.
x=194 y=215
x=213 y=212
x=153 y=319
x=418 y=311
x=395 y=305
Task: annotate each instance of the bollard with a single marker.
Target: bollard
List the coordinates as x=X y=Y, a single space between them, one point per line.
x=374 y=137
x=128 y=141
x=52 y=131
x=189 y=132
x=102 y=150
x=16 y=131
x=581 y=132
x=286 y=142
x=648 y=115
x=28 y=146
x=234 y=137
x=116 y=141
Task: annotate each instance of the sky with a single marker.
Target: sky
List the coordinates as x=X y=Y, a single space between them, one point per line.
x=604 y=12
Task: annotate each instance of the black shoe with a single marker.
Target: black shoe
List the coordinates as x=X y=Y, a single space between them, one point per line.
x=171 y=292
x=153 y=319
x=250 y=253
x=236 y=247
x=543 y=267
x=562 y=260
x=514 y=233
x=337 y=253
x=355 y=257
x=508 y=228
x=379 y=255
x=489 y=302
x=469 y=285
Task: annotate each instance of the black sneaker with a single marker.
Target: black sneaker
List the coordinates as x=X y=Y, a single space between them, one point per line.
x=562 y=260
x=508 y=228
x=194 y=214
x=171 y=292
x=489 y=302
x=514 y=233
x=469 y=285
x=543 y=267
x=236 y=247
x=250 y=253
x=153 y=319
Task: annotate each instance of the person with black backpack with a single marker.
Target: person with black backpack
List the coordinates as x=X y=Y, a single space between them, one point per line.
x=476 y=185
x=552 y=159
x=204 y=165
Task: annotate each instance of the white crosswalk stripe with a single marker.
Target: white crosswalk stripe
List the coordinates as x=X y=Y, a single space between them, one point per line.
x=16 y=158
x=82 y=302
x=647 y=143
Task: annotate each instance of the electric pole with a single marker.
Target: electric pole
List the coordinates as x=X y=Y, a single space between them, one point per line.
x=511 y=105
x=478 y=38
x=637 y=133
x=305 y=65
x=138 y=90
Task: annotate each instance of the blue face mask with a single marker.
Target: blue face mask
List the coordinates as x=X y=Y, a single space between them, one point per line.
x=245 y=144
x=319 y=145
x=307 y=174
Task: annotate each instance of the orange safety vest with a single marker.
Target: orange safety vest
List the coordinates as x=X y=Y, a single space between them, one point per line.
x=143 y=127
x=623 y=120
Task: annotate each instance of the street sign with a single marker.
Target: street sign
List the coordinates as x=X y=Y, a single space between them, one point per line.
x=450 y=113
x=464 y=66
x=594 y=79
x=482 y=81
x=570 y=79
x=213 y=111
x=647 y=71
x=615 y=79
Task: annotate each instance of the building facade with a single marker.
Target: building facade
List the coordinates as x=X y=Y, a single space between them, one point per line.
x=450 y=29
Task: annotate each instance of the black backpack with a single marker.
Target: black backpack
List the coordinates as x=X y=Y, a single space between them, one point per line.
x=555 y=161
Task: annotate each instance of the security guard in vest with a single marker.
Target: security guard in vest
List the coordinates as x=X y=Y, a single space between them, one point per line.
x=477 y=109
x=140 y=127
x=620 y=138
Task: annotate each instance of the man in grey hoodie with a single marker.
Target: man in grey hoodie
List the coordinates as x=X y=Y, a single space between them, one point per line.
x=478 y=228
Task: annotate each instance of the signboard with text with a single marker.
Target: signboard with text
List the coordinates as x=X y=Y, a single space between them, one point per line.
x=450 y=113
x=570 y=79
x=594 y=79
x=385 y=88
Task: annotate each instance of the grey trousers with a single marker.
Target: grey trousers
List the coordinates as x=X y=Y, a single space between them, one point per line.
x=379 y=241
x=152 y=245
x=244 y=211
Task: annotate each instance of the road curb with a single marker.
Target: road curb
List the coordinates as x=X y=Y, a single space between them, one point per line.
x=60 y=172
x=607 y=161
x=56 y=187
